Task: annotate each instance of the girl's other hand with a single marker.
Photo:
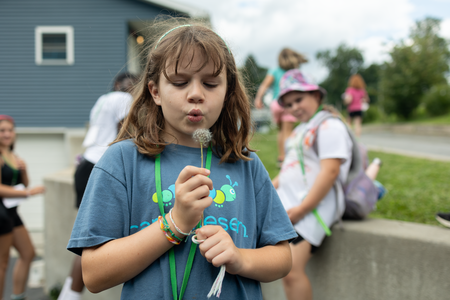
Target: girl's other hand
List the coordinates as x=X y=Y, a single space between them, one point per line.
x=295 y=214
x=192 y=196
x=21 y=164
x=36 y=190
x=219 y=249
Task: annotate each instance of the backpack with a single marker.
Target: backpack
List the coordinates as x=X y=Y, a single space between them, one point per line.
x=360 y=193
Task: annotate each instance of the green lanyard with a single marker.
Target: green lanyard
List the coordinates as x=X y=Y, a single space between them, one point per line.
x=190 y=260
x=302 y=167
x=14 y=170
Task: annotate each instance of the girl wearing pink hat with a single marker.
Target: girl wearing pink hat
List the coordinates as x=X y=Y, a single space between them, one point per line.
x=318 y=154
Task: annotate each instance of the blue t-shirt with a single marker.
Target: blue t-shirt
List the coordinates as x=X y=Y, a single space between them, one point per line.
x=277 y=74
x=120 y=200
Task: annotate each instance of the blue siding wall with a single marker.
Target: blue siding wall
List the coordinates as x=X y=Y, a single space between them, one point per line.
x=62 y=96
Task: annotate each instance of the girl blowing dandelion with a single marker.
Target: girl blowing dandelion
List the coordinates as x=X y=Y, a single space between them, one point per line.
x=148 y=192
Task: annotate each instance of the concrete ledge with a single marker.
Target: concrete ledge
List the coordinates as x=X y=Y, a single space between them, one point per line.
x=436 y=130
x=60 y=214
x=379 y=259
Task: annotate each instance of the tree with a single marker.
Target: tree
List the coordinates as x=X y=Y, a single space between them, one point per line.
x=414 y=68
x=371 y=76
x=253 y=75
x=341 y=64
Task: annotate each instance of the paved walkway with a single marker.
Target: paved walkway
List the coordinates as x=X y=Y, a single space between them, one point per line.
x=430 y=147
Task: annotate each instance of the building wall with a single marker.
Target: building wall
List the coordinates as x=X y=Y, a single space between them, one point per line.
x=45 y=153
x=62 y=96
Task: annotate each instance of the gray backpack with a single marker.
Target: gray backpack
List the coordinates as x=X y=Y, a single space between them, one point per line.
x=360 y=192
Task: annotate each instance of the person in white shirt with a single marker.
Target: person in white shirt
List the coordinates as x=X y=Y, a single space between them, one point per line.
x=317 y=155
x=104 y=124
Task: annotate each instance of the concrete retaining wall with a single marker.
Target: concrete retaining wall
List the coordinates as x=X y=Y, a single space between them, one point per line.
x=379 y=259
x=60 y=214
x=373 y=259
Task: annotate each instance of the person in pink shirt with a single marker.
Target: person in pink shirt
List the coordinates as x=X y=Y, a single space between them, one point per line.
x=355 y=97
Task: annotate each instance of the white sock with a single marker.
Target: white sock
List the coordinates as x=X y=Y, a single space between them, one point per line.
x=72 y=295
x=18 y=297
x=66 y=287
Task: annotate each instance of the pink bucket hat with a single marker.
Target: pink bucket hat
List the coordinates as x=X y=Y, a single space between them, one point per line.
x=293 y=80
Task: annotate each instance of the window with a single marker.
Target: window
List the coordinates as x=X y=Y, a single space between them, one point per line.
x=54 y=45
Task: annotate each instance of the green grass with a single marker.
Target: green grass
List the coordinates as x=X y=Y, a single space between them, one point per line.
x=441 y=120
x=417 y=188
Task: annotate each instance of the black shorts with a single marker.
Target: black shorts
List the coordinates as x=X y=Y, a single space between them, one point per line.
x=357 y=113
x=82 y=174
x=14 y=218
x=6 y=225
x=299 y=239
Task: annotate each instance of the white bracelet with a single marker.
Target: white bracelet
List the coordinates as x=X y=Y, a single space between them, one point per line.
x=176 y=227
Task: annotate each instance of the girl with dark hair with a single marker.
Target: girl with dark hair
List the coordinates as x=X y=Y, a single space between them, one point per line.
x=13 y=189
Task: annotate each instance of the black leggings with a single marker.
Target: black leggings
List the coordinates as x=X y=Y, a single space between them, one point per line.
x=82 y=174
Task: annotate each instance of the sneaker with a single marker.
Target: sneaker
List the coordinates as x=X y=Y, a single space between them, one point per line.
x=381 y=189
x=443 y=218
x=377 y=161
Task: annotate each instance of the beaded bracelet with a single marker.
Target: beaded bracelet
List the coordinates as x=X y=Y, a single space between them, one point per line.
x=176 y=227
x=166 y=229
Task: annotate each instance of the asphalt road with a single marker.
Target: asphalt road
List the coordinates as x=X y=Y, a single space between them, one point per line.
x=431 y=147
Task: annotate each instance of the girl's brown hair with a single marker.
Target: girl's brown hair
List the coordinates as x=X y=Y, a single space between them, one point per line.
x=10 y=120
x=289 y=59
x=145 y=122
x=356 y=81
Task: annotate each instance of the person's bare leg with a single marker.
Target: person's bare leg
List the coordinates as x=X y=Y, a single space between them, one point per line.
x=296 y=284
x=373 y=168
x=6 y=241
x=349 y=121
x=77 y=276
x=23 y=245
x=280 y=145
x=357 y=125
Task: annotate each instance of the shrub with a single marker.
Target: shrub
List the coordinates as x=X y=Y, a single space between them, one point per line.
x=373 y=114
x=437 y=100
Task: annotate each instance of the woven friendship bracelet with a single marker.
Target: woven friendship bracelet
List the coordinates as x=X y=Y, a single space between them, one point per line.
x=166 y=229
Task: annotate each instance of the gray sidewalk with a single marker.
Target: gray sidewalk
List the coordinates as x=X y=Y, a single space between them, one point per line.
x=33 y=293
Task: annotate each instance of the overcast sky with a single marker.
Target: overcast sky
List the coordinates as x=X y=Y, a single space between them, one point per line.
x=264 y=27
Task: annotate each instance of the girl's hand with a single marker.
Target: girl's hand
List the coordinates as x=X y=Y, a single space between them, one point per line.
x=36 y=190
x=258 y=103
x=192 y=196
x=295 y=214
x=21 y=164
x=218 y=248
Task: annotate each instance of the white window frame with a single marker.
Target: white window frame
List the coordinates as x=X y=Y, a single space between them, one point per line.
x=68 y=31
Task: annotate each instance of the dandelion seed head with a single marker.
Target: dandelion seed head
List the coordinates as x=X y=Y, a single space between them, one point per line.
x=202 y=136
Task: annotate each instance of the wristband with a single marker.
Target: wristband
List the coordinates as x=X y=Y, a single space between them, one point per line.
x=166 y=229
x=176 y=227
